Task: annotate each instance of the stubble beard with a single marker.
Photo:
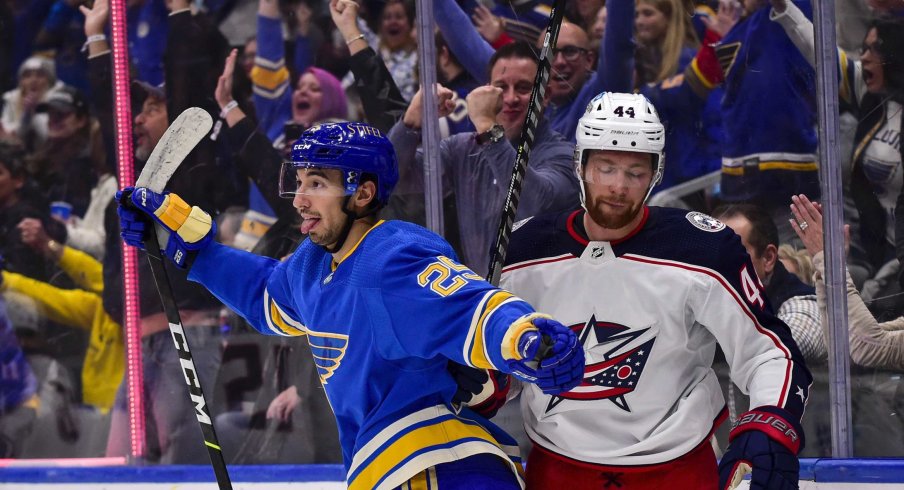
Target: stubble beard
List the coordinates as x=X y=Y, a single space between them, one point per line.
x=611 y=220
x=142 y=153
x=326 y=235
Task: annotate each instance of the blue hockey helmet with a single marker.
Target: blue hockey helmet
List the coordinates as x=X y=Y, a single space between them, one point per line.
x=354 y=148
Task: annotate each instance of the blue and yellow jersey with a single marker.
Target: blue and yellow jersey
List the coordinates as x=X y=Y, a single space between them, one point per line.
x=768 y=112
x=271 y=80
x=382 y=324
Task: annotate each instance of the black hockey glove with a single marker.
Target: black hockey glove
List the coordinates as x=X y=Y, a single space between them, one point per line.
x=484 y=392
x=767 y=441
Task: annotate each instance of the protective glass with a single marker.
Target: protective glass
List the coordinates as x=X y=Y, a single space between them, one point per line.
x=319 y=181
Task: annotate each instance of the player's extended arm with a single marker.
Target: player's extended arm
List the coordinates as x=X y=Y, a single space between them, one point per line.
x=546 y=353
x=766 y=363
x=542 y=351
x=252 y=285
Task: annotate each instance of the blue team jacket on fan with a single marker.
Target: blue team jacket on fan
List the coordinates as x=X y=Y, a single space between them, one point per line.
x=381 y=325
x=768 y=112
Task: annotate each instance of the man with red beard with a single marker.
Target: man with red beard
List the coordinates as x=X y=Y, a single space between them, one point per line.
x=650 y=292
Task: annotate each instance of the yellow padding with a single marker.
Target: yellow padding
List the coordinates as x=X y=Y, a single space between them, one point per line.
x=791 y=166
x=173 y=212
x=269 y=79
x=513 y=335
x=419 y=441
x=477 y=356
x=196 y=226
x=277 y=320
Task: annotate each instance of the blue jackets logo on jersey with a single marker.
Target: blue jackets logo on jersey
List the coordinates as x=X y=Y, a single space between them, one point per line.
x=618 y=373
x=705 y=222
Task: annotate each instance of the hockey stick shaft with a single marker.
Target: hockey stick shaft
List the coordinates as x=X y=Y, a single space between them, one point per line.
x=202 y=411
x=180 y=138
x=528 y=130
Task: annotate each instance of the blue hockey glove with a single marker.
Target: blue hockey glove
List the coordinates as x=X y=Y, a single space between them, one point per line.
x=548 y=355
x=191 y=229
x=483 y=391
x=133 y=225
x=767 y=441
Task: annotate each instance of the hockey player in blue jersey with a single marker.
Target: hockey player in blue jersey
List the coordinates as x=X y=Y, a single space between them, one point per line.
x=384 y=305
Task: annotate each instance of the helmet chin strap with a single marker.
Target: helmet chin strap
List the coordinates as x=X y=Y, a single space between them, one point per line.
x=350 y=218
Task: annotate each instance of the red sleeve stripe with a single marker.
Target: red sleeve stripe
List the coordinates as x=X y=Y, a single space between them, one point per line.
x=718 y=277
x=531 y=263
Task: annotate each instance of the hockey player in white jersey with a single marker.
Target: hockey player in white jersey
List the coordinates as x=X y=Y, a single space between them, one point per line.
x=650 y=292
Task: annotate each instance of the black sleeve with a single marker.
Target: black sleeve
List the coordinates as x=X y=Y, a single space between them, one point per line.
x=101 y=80
x=7 y=74
x=383 y=103
x=193 y=61
x=256 y=159
x=899 y=215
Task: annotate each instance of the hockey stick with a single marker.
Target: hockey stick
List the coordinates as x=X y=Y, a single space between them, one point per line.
x=534 y=111
x=177 y=142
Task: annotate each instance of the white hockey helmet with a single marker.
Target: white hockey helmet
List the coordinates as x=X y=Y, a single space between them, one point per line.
x=620 y=122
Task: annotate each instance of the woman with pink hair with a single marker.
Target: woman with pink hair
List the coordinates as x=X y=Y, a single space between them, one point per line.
x=282 y=109
x=318 y=96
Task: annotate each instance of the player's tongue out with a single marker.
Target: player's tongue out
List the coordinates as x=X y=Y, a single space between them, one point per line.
x=308 y=223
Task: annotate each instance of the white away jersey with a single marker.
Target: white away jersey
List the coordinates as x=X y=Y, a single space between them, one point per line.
x=650 y=309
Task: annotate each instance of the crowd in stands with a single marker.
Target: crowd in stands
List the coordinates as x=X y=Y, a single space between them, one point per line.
x=733 y=83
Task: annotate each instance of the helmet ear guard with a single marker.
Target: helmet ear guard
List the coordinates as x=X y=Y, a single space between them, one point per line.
x=356 y=149
x=620 y=122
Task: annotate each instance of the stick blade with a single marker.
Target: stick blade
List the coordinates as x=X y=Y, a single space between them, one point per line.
x=177 y=142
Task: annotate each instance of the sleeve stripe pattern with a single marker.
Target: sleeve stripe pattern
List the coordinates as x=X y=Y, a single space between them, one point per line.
x=786 y=383
x=700 y=77
x=845 y=85
x=801 y=162
x=271 y=79
x=425 y=438
x=278 y=321
x=475 y=343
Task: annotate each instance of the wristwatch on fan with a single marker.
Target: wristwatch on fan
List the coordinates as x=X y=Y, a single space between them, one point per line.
x=492 y=135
